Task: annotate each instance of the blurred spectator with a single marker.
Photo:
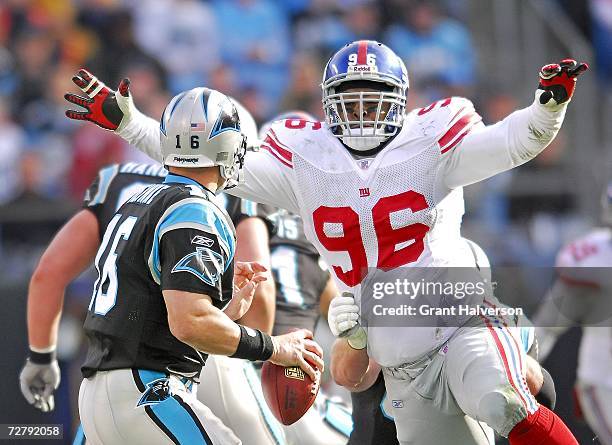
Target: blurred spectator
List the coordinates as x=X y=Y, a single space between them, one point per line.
x=253 y=100
x=147 y=88
x=361 y=20
x=304 y=91
x=320 y=28
x=11 y=144
x=92 y=149
x=183 y=35
x=438 y=52
x=255 y=44
x=35 y=49
x=120 y=49
x=223 y=79
x=601 y=14
x=31 y=218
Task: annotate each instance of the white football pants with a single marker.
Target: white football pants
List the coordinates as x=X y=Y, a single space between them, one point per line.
x=134 y=407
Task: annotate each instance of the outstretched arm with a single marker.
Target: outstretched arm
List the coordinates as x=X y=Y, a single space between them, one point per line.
x=267 y=175
x=486 y=151
x=115 y=111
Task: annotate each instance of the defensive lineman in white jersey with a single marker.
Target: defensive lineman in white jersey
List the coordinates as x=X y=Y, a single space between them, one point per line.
x=582 y=295
x=381 y=188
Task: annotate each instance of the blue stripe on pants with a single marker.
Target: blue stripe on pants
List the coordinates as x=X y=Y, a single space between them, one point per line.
x=79 y=438
x=173 y=416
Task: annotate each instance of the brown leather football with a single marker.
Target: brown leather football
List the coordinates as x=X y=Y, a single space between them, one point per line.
x=289 y=392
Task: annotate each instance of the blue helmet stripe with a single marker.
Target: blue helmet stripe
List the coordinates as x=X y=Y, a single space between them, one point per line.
x=178 y=99
x=205 y=97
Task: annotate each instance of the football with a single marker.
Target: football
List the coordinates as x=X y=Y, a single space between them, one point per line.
x=289 y=392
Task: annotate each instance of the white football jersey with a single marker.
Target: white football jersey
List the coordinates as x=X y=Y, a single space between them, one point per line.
x=583 y=265
x=402 y=208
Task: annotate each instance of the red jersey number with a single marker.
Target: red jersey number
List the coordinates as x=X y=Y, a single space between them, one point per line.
x=387 y=237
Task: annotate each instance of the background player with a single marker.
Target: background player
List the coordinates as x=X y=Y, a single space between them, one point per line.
x=581 y=295
x=366 y=146
x=61 y=263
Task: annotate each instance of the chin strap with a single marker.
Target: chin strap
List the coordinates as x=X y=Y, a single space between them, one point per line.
x=363 y=143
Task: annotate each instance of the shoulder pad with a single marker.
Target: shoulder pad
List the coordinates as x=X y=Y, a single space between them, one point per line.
x=286 y=137
x=447 y=120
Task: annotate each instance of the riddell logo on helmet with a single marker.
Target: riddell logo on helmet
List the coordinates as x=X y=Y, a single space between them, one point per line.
x=185 y=160
x=362 y=69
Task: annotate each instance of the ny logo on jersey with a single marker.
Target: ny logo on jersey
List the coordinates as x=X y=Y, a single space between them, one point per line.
x=156 y=392
x=364 y=164
x=364 y=192
x=204 y=263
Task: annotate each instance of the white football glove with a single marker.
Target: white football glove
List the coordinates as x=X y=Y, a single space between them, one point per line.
x=38 y=382
x=343 y=319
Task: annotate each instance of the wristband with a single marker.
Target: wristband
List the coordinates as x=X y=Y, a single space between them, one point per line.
x=253 y=345
x=357 y=338
x=43 y=358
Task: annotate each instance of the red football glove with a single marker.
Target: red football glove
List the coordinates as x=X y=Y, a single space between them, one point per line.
x=558 y=80
x=101 y=103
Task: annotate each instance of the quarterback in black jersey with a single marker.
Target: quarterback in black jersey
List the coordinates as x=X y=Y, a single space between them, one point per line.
x=60 y=263
x=164 y=291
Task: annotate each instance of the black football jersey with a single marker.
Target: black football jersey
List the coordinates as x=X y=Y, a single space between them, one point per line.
x=114 y=184
x=170 y=236
x=299 y=274
x=371 y=426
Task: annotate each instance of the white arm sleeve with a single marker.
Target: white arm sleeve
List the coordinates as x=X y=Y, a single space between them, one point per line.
x=142 y=132
x=488 y=150
x=267 y=181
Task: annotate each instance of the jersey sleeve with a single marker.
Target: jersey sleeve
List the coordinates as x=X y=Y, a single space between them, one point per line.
x=97 y=193
x=143 y=133
x=268 y=173
x=193 y=251
x=472 y=151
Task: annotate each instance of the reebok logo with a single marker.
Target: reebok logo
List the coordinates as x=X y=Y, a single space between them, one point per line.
x=202 y=241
